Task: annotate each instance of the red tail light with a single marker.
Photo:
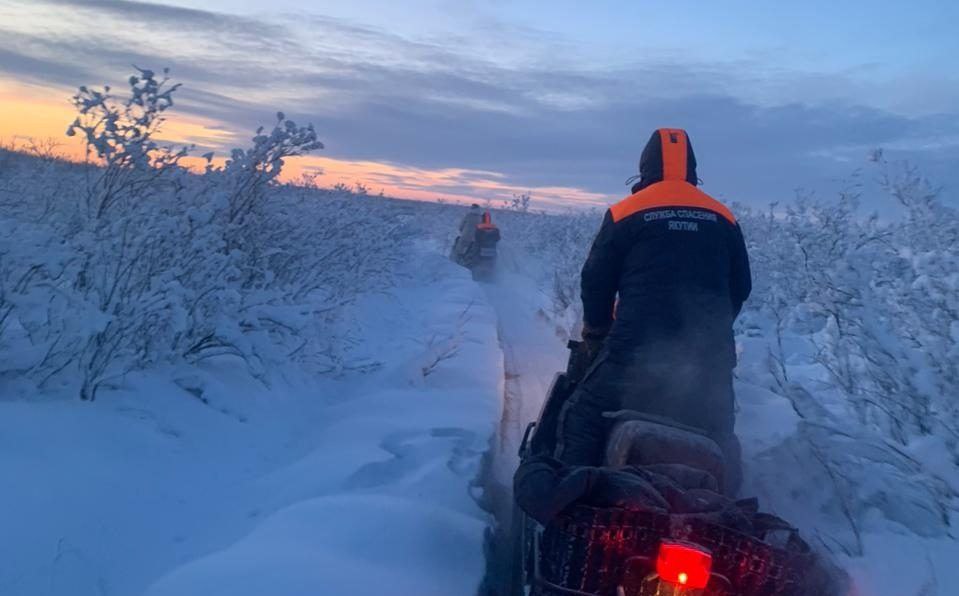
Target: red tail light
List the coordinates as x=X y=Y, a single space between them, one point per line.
x=684 y=565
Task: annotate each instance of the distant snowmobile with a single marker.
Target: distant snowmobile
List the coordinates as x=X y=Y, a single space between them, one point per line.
x=475 y=247
x=651 y=522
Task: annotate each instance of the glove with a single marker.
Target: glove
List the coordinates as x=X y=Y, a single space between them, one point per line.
x=594 y=338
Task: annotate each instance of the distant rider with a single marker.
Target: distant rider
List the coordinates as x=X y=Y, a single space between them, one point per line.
x=468 y=227
x=663 y=283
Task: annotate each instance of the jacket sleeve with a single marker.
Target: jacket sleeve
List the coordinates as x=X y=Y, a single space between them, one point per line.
x=600 y=278
x=741 y=283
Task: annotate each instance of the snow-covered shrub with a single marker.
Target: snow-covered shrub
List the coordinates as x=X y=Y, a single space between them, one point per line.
x=921 y=284
x=559 y=244
x=131 y=262
x=876 y=300
x=860 y=346
x=120 y=134
x=520 y=202
x=249 y=173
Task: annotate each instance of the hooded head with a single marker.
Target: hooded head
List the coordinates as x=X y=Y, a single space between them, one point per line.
x=668 y=156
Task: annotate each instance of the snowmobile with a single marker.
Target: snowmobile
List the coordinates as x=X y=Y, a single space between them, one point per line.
x=633 y=550
x=478 y=253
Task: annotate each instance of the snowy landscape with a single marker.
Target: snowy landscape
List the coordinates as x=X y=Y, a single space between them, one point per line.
x=212 y=382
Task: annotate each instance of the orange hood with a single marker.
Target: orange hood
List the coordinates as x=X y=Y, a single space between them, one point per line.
x=668 y=156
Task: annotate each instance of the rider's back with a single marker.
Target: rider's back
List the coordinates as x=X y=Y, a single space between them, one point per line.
x=678 y=270
x=673 y=262
x=675 y=259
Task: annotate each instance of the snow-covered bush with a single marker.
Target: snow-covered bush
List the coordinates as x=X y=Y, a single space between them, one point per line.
x=877 y=302
x=120 y=134
x=130 y=261
x=520 y=202
x=249 y=173
x=562 y=241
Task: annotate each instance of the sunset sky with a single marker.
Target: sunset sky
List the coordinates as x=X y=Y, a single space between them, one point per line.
x=483 y=98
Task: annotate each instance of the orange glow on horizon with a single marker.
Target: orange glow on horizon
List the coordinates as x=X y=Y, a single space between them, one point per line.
x=427 y=184
x=31 y=112
x=36 y=112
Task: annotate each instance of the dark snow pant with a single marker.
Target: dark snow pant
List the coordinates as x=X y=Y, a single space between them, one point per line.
x=698 y=394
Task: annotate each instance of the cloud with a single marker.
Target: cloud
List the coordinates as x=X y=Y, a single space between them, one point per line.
x=439 y=106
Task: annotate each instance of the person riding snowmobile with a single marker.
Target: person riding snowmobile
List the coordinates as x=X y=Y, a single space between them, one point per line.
x=663 y=283
x=633 y=455
x=477 y=234
x=467 y=234
x=468 y=225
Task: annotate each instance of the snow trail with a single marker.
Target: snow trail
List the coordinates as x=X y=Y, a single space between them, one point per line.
x=403 y=453
x=320 y=486
x=533 y=352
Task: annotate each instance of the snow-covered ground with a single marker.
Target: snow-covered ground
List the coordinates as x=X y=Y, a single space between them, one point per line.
x=298 y=402
x=821 y=474
x=314 y=486
x=533 y=352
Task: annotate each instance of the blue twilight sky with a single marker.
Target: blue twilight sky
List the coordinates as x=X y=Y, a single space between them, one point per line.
x=487 y=97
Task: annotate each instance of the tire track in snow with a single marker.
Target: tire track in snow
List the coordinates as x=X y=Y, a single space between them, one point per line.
x=496 y=483
x=511 y=423
x=532 y=353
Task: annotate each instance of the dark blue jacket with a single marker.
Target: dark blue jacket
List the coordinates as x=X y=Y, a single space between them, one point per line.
x=670 y=261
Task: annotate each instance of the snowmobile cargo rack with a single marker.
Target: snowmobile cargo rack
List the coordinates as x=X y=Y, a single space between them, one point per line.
x=585 y=550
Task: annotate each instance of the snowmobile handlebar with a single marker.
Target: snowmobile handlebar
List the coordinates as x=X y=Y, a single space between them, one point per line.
x=579 y=361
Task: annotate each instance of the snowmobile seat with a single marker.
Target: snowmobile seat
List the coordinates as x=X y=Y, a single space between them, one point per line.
x=638 y=439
